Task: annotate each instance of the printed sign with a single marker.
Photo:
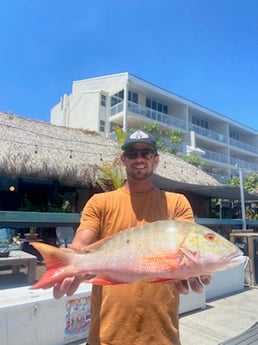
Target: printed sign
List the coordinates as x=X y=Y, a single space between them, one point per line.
x=77 y=319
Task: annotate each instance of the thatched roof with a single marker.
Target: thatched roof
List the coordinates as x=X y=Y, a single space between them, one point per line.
x=38 y=149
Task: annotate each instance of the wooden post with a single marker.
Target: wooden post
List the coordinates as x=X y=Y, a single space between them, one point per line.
x=250 y=241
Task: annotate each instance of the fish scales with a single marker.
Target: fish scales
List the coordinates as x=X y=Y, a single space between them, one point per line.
x=154 y=252
x=128 y=247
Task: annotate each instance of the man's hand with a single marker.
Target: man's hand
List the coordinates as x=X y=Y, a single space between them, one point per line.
x=80 y=242
x=67 y=287
x=196 y=284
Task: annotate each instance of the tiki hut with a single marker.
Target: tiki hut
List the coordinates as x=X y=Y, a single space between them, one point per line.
x=73 y=157
x=41 y=150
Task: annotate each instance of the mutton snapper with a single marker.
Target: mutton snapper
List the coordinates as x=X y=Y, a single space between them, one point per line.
x=156 y=252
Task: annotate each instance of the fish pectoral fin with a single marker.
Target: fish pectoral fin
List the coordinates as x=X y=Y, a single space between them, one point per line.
x=160 y=281
x=101 y=281
x=189 y=255
x=161 y=262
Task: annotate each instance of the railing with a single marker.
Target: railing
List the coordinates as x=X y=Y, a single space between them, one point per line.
x=252 y=223
x=47 y=219
x=117 y=108
x=170 y=120
x=157 y=116
x=21 y=219
x=243 y=164
x=151 y=114
x=208 y=133
x=243 y=146
x=214 y=156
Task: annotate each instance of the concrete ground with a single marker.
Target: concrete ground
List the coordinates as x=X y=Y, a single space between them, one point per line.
x=221 y=320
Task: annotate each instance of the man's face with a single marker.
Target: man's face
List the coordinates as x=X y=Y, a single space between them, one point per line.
x=139 y=160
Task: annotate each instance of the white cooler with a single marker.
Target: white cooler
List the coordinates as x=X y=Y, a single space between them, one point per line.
x=192 y=301
x=29 y=317
x=226 y=282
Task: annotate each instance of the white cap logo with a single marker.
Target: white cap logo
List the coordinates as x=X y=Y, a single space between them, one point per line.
x=139 y=135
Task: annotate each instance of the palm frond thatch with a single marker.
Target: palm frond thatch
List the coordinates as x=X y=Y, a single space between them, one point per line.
x=39 y=149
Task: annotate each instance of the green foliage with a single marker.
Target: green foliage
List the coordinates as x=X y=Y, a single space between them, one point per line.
x=63 y=206
x=250 y=182
x=28 y=206
x=111 y=175
x=167 y=139
x=234 y=181
x=194 y=160
x=120 y=135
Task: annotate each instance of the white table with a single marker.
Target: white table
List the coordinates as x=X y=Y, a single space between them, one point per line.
x=17 y=258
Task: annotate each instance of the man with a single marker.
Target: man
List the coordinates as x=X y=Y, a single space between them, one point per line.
x=140 y=313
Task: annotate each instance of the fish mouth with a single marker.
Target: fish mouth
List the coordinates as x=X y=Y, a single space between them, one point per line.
x=235 y=259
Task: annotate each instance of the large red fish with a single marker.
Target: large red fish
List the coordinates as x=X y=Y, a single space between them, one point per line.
x=155 y=252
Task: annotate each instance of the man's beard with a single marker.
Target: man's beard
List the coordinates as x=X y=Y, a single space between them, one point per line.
x=139 y=175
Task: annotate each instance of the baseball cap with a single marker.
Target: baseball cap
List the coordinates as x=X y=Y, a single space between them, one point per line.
x=139 y=137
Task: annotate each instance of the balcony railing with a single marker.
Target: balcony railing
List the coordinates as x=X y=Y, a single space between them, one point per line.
x=243 y=146
x=176 y=122
x=214 y=156
x=243 y=164
x=234 y=162
x=150 y=114
x=208 y=133
x=117 y=108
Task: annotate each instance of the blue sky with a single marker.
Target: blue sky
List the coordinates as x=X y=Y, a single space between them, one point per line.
x=203 y=50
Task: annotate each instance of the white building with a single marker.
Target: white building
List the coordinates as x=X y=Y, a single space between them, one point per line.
x=128 y=101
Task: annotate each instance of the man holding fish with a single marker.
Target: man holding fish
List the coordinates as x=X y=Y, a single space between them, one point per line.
x=140 y=313
x=137 y=273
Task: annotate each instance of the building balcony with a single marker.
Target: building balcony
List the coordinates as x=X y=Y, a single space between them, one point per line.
x=165 y=120
x=239 y=163
x=231 y=162
x=243 y=146
x=216 y=157
x=149 y=115
x=207 y=133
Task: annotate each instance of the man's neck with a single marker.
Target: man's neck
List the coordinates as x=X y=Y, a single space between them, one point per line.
x=133 y=186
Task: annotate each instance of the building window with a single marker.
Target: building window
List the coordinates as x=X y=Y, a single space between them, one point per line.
x=156 y=105
x=117 y=98
x=234 y=135
x=132 y=96
x=199 y=122
x=103 y=100
x=102 y=126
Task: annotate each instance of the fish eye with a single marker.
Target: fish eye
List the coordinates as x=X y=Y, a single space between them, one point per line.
x=210 y=237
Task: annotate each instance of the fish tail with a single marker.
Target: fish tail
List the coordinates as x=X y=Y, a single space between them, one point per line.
x=57 y=262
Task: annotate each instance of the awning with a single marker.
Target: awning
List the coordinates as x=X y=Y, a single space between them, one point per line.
x=220 y=191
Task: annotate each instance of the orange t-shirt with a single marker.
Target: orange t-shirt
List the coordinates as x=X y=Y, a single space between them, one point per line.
x=140 y=313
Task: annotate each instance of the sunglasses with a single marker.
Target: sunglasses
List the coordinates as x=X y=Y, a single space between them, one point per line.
x=143 y=153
